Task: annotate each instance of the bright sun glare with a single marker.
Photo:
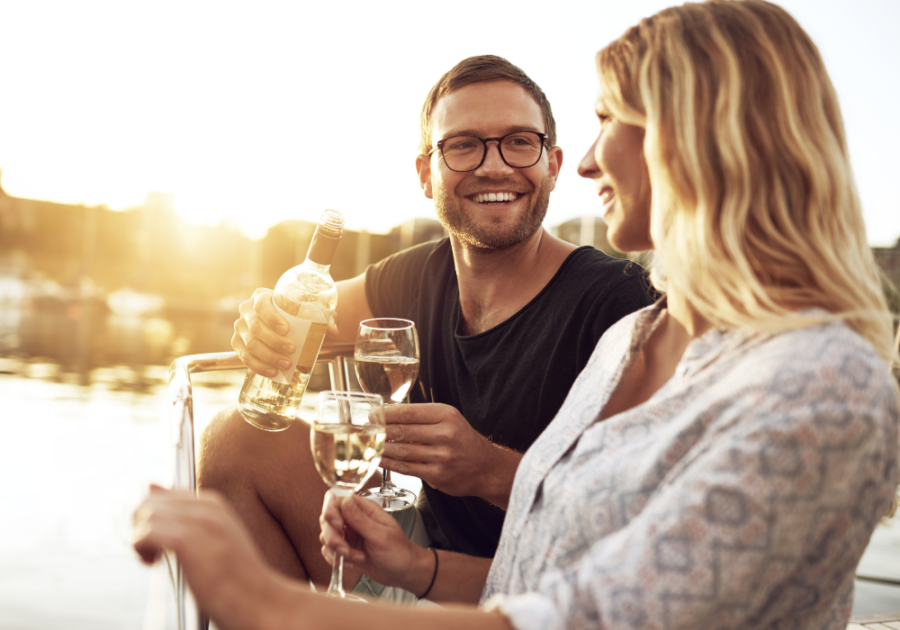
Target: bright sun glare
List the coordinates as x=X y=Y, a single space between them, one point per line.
x=256 y=115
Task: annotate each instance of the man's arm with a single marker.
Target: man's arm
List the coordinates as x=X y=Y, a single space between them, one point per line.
x=259 y=331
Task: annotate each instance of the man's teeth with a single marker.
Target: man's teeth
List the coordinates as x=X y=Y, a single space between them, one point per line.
x=502 y=196
x=606 y=196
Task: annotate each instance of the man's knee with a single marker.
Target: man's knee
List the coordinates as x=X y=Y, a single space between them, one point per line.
x=234 y=453
x=221 y=452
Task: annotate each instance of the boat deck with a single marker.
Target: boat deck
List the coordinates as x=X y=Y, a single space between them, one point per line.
x=876 y=622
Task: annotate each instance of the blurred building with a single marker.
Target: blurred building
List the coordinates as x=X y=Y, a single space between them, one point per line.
x=586 y=230
x=888 y=258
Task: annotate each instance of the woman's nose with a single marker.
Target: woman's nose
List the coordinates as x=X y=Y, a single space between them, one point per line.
x=588 y=166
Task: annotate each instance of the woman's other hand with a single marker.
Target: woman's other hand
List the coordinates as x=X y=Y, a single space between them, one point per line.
x=223 y=567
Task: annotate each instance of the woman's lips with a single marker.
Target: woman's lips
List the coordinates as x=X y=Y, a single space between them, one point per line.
x=607 y=197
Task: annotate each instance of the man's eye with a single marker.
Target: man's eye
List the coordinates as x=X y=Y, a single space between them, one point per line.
x=464 y=145
x=521 y=141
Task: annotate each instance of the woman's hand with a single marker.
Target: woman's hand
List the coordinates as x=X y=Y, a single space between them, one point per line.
x=374 y=543
x=222 y=566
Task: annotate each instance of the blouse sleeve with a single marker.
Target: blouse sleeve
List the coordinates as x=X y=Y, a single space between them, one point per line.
x=761 y=523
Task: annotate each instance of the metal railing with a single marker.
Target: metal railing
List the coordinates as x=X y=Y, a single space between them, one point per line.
x=181 y=419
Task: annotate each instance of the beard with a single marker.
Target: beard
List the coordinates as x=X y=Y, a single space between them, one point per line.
x=493 y=233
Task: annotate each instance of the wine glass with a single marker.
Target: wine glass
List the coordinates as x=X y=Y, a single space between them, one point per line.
x=347 y=440
x=387 y=363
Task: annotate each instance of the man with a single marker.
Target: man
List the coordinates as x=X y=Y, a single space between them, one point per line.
x=507 y=314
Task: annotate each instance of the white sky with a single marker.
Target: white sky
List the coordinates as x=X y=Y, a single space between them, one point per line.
x=258 y=112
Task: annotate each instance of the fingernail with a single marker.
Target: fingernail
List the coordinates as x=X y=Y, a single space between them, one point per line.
x=284 y=364
x=282 y=329
x=357 y=556
x=271 y=372
x=288 y=348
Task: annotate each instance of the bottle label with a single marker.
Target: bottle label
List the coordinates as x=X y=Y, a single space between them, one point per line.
x=307 y=332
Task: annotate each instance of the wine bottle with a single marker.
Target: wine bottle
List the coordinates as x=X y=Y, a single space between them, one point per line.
x=306 y=297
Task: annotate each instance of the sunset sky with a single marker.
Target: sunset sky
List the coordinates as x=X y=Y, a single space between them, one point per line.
x=259 y=112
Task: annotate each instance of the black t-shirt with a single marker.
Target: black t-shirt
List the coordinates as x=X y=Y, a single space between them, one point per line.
x=509 y=381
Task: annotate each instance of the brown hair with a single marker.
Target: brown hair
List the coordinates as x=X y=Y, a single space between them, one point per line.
x=482 y=69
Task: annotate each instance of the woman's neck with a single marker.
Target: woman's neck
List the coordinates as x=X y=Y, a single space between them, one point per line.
x=682 y=315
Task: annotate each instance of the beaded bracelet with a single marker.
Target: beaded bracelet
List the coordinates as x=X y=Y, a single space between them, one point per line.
x=433 y=576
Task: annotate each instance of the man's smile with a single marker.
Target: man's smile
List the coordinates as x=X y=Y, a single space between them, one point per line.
x=494 y=197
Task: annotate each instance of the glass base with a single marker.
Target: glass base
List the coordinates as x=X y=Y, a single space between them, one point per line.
x=391 y=500
x=346 y=597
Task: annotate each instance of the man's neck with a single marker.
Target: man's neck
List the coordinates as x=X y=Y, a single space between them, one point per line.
x=494 y=285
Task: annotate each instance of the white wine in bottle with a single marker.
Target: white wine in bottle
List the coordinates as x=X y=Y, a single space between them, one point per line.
x=306 y=297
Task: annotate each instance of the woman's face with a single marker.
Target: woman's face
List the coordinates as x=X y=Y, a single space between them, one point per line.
x=616 y=164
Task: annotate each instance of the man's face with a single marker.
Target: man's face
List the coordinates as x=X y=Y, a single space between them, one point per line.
x=463 y=200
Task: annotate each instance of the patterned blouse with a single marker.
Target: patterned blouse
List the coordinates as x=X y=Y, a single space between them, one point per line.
x=741 y=495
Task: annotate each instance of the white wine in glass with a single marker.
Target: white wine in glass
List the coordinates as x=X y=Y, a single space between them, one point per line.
x=387 y=363
x=347 y=440
x=392 y=377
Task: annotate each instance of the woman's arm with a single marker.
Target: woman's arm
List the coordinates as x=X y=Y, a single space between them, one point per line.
x=301 y=610
x=237 y=590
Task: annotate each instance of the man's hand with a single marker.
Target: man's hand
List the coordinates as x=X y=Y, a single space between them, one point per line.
x=435 y=443
x=222 y=566
x=259 y=335
x=374 y=543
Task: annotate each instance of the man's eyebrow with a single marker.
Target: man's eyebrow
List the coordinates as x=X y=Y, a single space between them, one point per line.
x=506 y=130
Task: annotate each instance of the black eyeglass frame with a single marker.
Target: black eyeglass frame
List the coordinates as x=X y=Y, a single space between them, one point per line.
x=440 y=147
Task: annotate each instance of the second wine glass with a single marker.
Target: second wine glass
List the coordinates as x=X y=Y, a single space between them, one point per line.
x=387 y=363
x=347 y=440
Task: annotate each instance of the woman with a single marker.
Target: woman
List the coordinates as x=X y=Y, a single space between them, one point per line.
x=724 y=457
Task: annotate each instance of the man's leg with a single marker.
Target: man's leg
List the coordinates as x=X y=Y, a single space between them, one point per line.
x=273 y=484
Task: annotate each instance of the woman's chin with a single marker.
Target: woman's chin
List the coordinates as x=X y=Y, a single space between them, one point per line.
x=622 y=243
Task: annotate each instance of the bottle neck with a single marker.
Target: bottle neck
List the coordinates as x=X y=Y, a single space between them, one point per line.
x=322 y=247
x=311 y=264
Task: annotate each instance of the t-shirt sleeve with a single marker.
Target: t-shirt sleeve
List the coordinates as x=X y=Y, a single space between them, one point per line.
x=392 y=284
x=768 y=520
x=621 y=291
x=630 y=294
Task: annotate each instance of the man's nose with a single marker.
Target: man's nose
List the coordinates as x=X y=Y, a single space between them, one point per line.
x=493 y=164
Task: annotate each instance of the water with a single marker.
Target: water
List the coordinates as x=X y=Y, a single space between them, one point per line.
x=76 y=460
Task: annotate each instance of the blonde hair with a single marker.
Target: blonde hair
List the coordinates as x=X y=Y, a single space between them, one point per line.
x=754 y=210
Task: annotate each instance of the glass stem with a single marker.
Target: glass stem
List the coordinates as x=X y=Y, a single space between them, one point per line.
x=386 y=485
x=337 y=577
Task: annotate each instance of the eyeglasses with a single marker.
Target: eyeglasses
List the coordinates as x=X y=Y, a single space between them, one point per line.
x=520 y=149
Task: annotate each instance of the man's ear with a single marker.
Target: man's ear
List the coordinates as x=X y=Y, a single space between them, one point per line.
x=555 y=159
x=423 y=167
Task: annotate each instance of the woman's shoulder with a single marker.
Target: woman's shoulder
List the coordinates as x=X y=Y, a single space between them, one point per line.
x=827 y=368
x=830 y=350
